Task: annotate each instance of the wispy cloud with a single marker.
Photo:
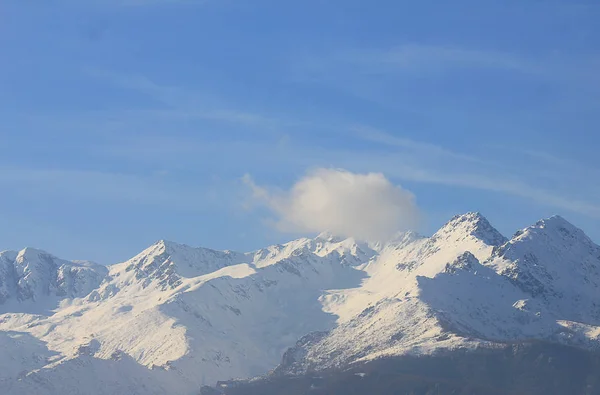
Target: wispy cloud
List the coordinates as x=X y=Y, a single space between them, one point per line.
x=418 y=80
x=501 y=183
x=425 y=164
x=393 y=154
x=398 y=157
x=420 y=58
x=390 y=78
x=369 y=133
x=146 y=3
x=186 y=103
x=419 y=168
x=155 y=190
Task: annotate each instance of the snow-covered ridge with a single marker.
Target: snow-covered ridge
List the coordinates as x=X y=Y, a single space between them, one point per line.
x=467 y=286
x=175 y=317
x=554 y=261
x=472 y=225
x=35 y=276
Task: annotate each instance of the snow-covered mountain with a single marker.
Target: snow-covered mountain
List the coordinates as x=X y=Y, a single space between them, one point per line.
x=35 y=279
x=464 y=287
x=174 y=317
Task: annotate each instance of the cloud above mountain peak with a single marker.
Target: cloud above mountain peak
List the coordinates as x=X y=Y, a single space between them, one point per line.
x=366 y=206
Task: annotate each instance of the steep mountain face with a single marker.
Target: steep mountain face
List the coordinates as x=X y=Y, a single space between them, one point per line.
x=196 y=315
x=465 y=286
x=165 y=263
x=35 y=276
x=397 y=310
x=555 y=262
x=176 y=317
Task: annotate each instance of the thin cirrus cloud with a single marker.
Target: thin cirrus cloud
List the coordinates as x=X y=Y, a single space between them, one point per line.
x=370 y=134
x=437 y=166
x=399 y=157
x=421 y=58
x=409 y=58
x=146 y=3
x=366 y=206
x=418 y=56
x=185 y=104
x=403 y=159
x=380 y=76
x=100 y=186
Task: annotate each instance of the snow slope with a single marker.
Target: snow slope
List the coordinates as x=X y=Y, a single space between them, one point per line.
x=175 y=317
x=34 y=279
x=467 y=286
x=197 y=314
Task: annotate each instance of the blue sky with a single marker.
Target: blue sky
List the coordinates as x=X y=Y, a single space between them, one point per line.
x=127 y=121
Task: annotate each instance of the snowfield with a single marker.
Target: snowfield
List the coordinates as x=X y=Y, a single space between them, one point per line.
x=174 y=317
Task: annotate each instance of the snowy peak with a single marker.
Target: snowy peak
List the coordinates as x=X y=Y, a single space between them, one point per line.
x=343 y=250
x=349 y=250
x=447 y=290
x=29 y=254
x=166 y=263
x=329 y=237
x=556 y=229
x=556 y=261
x=470 y=225
x=32 y=275
x=553 y=244
x=185 y=316
x=469 y=232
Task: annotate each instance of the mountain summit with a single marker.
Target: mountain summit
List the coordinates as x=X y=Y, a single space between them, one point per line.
x=34 y=279
x=175 y=317
x=471 y=224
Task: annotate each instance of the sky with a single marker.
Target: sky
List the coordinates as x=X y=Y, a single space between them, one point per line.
x=228 y=123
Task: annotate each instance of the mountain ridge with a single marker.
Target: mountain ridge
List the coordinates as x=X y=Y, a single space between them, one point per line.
x=191 y=316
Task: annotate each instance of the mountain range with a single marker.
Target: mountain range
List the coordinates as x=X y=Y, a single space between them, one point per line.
x=175 y=318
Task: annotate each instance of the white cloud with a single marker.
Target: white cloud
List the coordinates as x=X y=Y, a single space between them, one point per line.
x=366 y=206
